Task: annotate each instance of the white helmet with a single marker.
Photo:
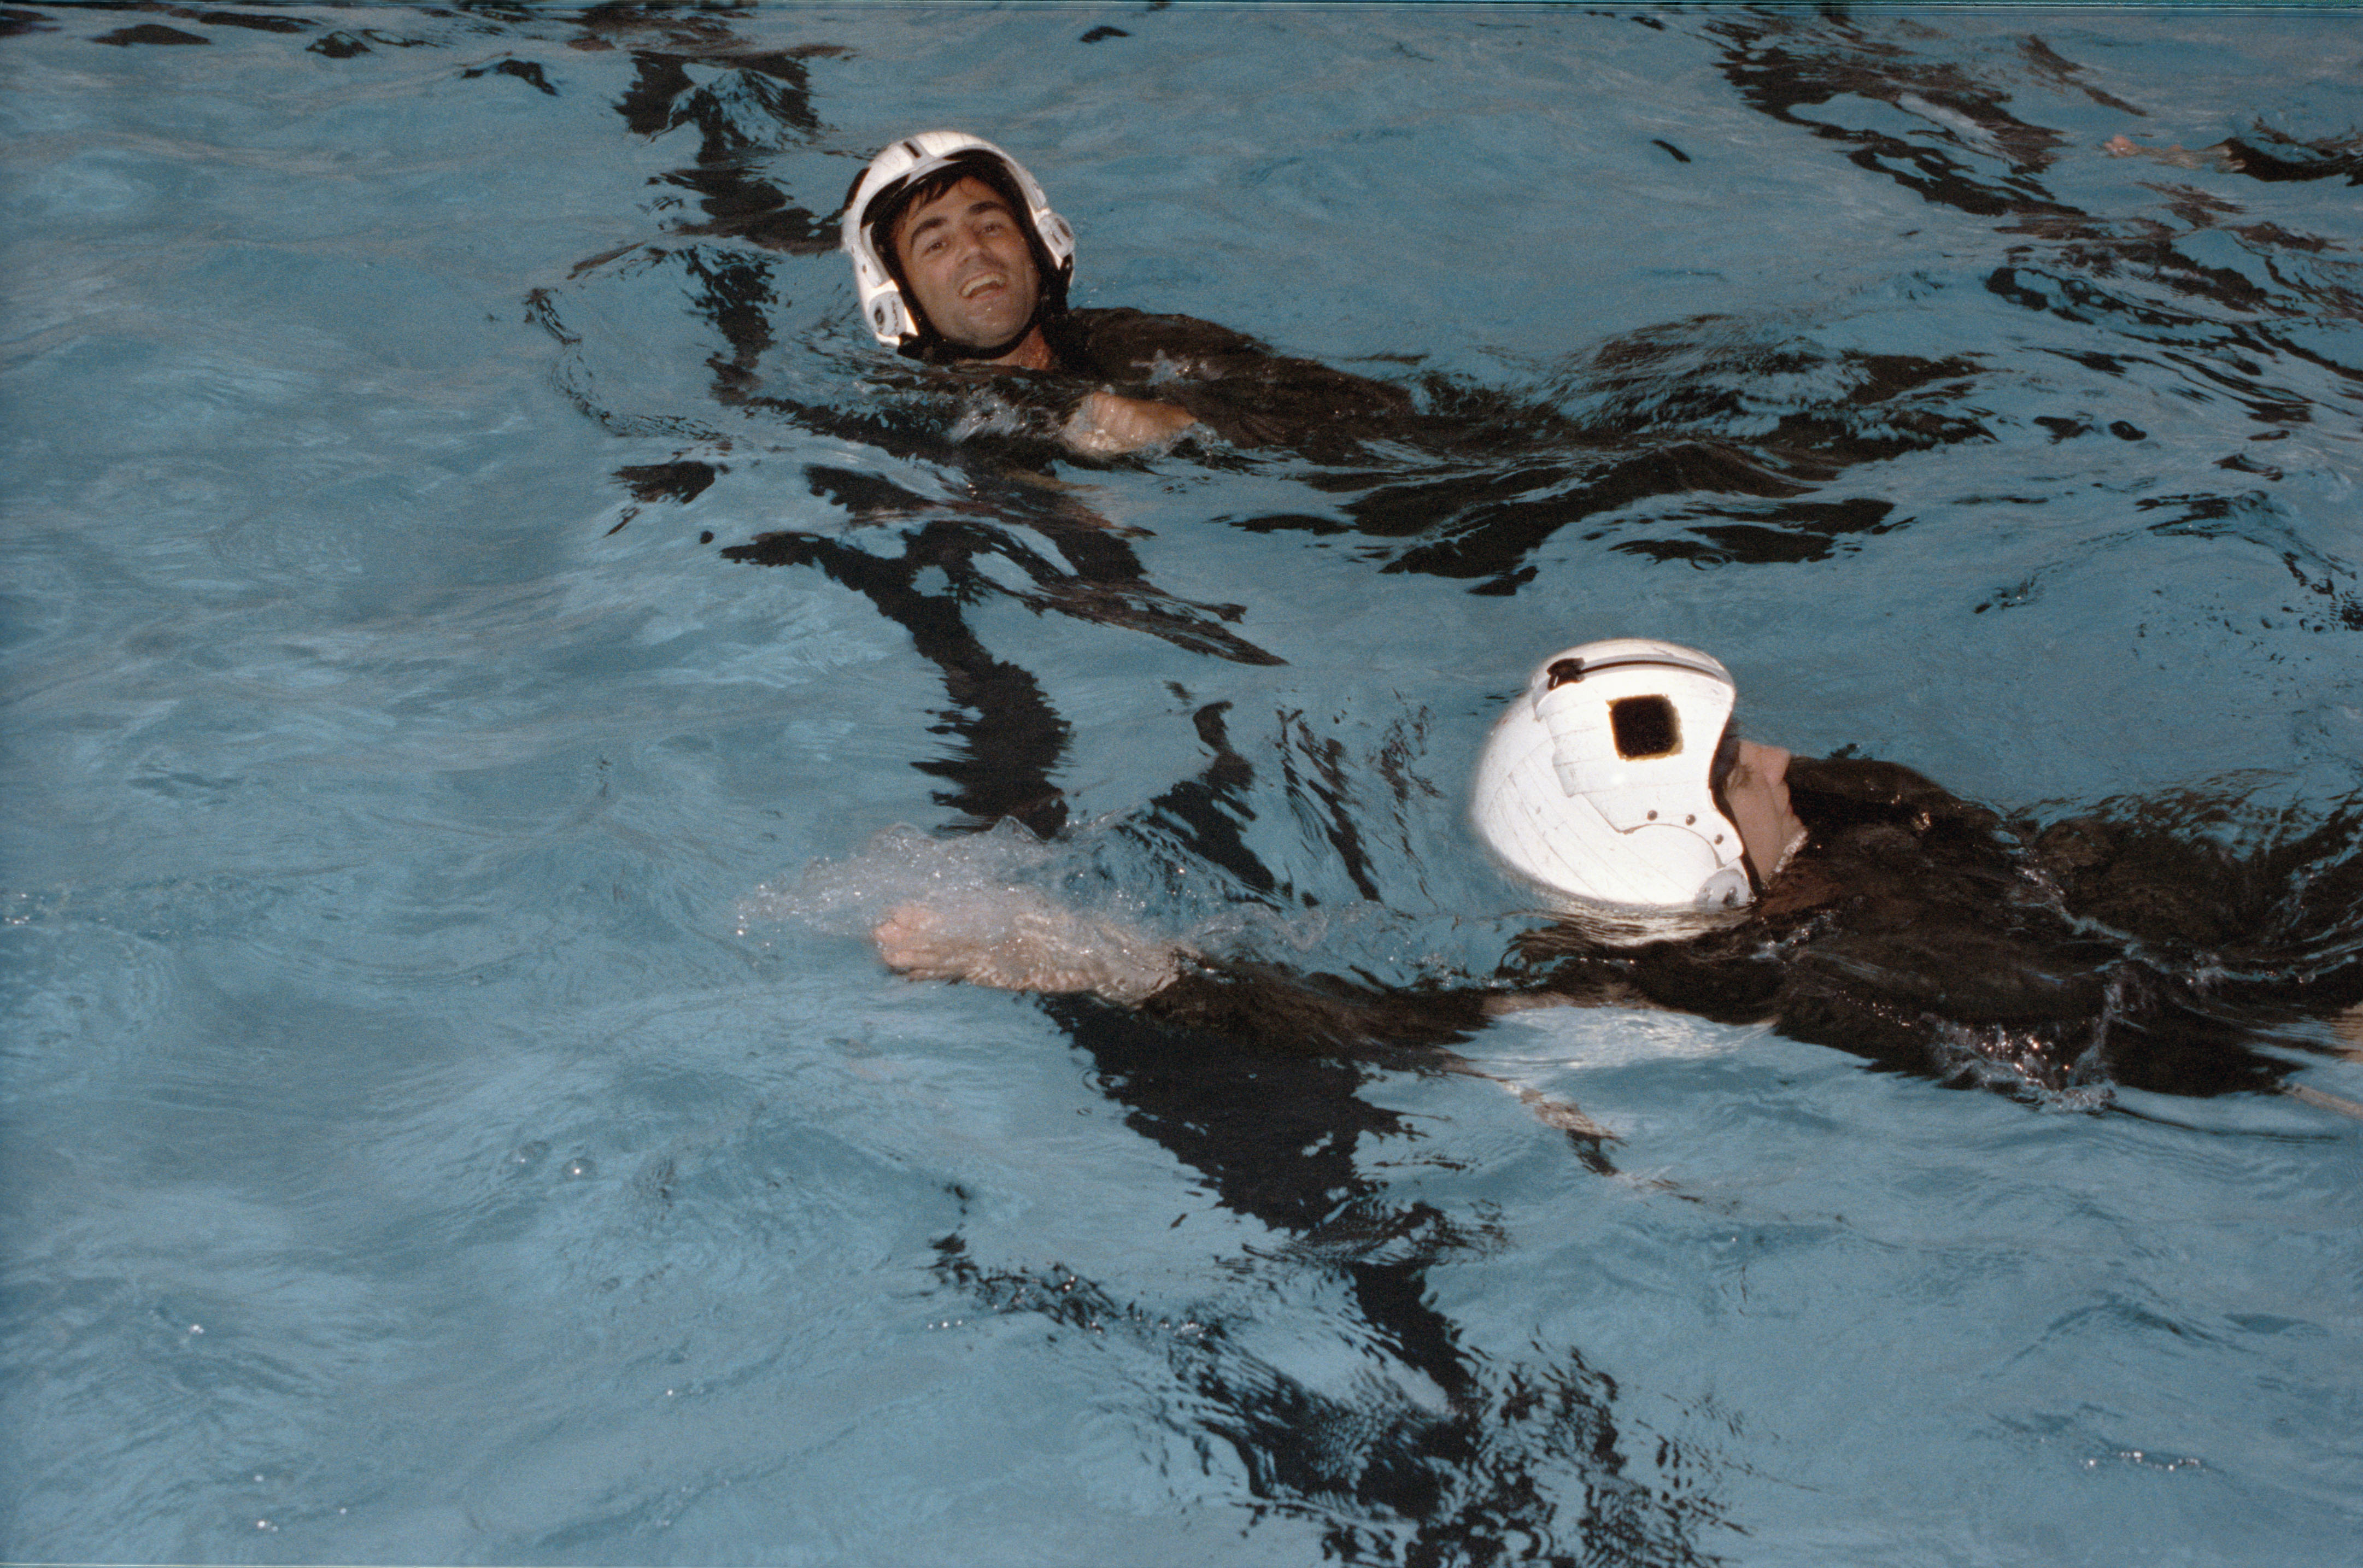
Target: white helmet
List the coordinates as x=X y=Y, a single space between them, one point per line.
x=1600 y=781
x=877 y=194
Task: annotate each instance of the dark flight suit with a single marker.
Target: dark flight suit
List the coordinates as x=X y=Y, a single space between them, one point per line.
x=1930 y=935
x=1241 y=388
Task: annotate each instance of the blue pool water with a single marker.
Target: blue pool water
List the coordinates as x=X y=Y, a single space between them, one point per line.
x=450 y=1115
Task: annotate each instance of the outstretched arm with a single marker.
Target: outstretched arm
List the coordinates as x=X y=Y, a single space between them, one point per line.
x=1018 y=939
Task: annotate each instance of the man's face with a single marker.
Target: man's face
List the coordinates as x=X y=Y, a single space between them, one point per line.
x=965 y=258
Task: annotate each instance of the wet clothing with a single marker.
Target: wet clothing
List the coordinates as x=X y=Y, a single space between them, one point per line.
x=1928 y=934
x=1239 y=388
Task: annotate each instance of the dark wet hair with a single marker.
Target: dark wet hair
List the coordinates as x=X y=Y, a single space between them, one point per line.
x=887 y=209
x=886 y=213
x=1726 y=757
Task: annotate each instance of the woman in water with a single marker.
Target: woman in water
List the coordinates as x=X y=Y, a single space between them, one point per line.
x=1845 y=901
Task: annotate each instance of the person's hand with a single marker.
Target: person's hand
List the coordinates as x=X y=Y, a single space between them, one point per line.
x=1108 y=425
x=2181 y=157
x=1014 y=939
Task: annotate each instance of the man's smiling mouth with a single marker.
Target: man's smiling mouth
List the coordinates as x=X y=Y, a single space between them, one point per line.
x=977 y=285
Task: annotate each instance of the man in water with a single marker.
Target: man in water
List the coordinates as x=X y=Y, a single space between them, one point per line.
x=960 y=262
x=962 y=267
x=1848 y=902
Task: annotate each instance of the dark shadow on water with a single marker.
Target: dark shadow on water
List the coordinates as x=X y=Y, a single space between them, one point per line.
x=1520 y=1463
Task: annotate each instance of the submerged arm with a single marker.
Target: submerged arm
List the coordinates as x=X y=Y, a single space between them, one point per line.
x=1019 y=940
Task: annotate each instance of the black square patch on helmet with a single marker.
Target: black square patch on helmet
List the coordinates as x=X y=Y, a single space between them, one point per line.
x=1645 y=727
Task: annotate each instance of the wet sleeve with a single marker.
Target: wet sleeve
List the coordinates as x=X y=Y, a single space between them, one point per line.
x=1275 y=1009
x=1241 y=388
x=2277 y=915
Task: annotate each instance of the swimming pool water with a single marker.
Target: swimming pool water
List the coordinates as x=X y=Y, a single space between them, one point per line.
x=448 y=1119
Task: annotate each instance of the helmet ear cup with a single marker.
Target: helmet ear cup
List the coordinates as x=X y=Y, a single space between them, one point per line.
x=890 y=318
x=1729 y=888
